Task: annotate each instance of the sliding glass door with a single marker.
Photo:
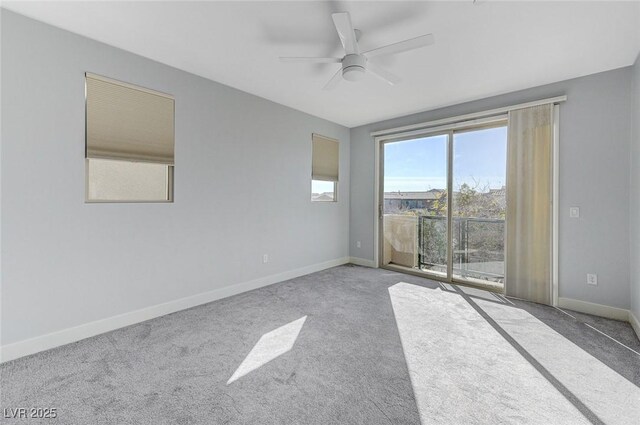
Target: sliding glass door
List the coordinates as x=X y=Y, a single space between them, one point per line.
x=479 y=205
x=415 y=208
x=422 y=231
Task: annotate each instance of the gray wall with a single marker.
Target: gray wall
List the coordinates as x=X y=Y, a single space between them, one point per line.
x=242 y=188
x=634 y=210
x=595 y=130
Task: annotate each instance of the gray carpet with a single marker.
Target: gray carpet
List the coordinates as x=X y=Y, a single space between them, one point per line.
x=345 y=345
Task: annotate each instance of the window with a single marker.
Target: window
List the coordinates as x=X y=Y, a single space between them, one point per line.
x=129 y=142
x=110 y=180
x=324 y=169
x=322 y=191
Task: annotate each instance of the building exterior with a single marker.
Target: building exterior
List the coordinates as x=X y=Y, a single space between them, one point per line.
x=403 y=201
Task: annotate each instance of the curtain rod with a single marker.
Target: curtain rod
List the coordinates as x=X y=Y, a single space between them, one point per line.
x=459 y=118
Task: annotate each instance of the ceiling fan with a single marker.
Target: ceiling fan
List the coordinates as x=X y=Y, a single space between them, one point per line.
x=355 y=63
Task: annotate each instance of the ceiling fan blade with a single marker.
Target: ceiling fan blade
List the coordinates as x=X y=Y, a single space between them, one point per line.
x=334 y=80
x=310 y=60
x=383 y=74
x=342 y=21
x=402 y=46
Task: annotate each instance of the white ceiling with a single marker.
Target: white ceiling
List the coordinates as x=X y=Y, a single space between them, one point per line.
x=481 y=49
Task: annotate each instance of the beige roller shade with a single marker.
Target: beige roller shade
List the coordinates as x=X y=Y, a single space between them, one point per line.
x=529 y=204
x=128 y=123
x=325 y=158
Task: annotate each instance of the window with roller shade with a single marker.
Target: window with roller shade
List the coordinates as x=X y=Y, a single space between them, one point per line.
x=324 y=169
x=129 y=142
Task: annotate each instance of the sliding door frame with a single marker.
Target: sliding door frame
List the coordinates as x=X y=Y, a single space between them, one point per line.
x=449 y=130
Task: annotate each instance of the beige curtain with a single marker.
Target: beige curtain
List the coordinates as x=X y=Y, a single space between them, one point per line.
x=529 y=209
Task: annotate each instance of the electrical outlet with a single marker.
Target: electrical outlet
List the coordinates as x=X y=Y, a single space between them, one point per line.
x=358 y=244
x=265 y=258
x=592 y=279
x=574 y=212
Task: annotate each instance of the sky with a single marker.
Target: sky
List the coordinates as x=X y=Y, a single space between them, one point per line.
x=480 y=159
x=318 y=186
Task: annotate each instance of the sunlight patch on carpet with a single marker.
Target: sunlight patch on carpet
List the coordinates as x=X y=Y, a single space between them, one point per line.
x=604 y=391
x=459 y=365
x=270 y=346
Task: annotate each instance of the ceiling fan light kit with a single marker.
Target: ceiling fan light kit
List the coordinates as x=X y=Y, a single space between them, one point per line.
x=354 y=65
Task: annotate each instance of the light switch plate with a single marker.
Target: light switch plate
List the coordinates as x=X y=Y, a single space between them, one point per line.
x=592 y=279
x=574 y=212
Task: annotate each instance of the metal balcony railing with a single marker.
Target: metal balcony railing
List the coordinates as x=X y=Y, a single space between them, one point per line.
x=478 y=246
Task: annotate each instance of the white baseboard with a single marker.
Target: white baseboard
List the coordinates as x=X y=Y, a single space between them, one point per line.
x=362 y=262
x=595 y=309
x=77 y=333
x=635 y=323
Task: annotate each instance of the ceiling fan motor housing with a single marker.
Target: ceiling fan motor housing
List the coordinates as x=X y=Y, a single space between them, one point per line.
x=353 y=67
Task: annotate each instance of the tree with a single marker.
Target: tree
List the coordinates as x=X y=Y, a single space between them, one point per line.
x=472 y=201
